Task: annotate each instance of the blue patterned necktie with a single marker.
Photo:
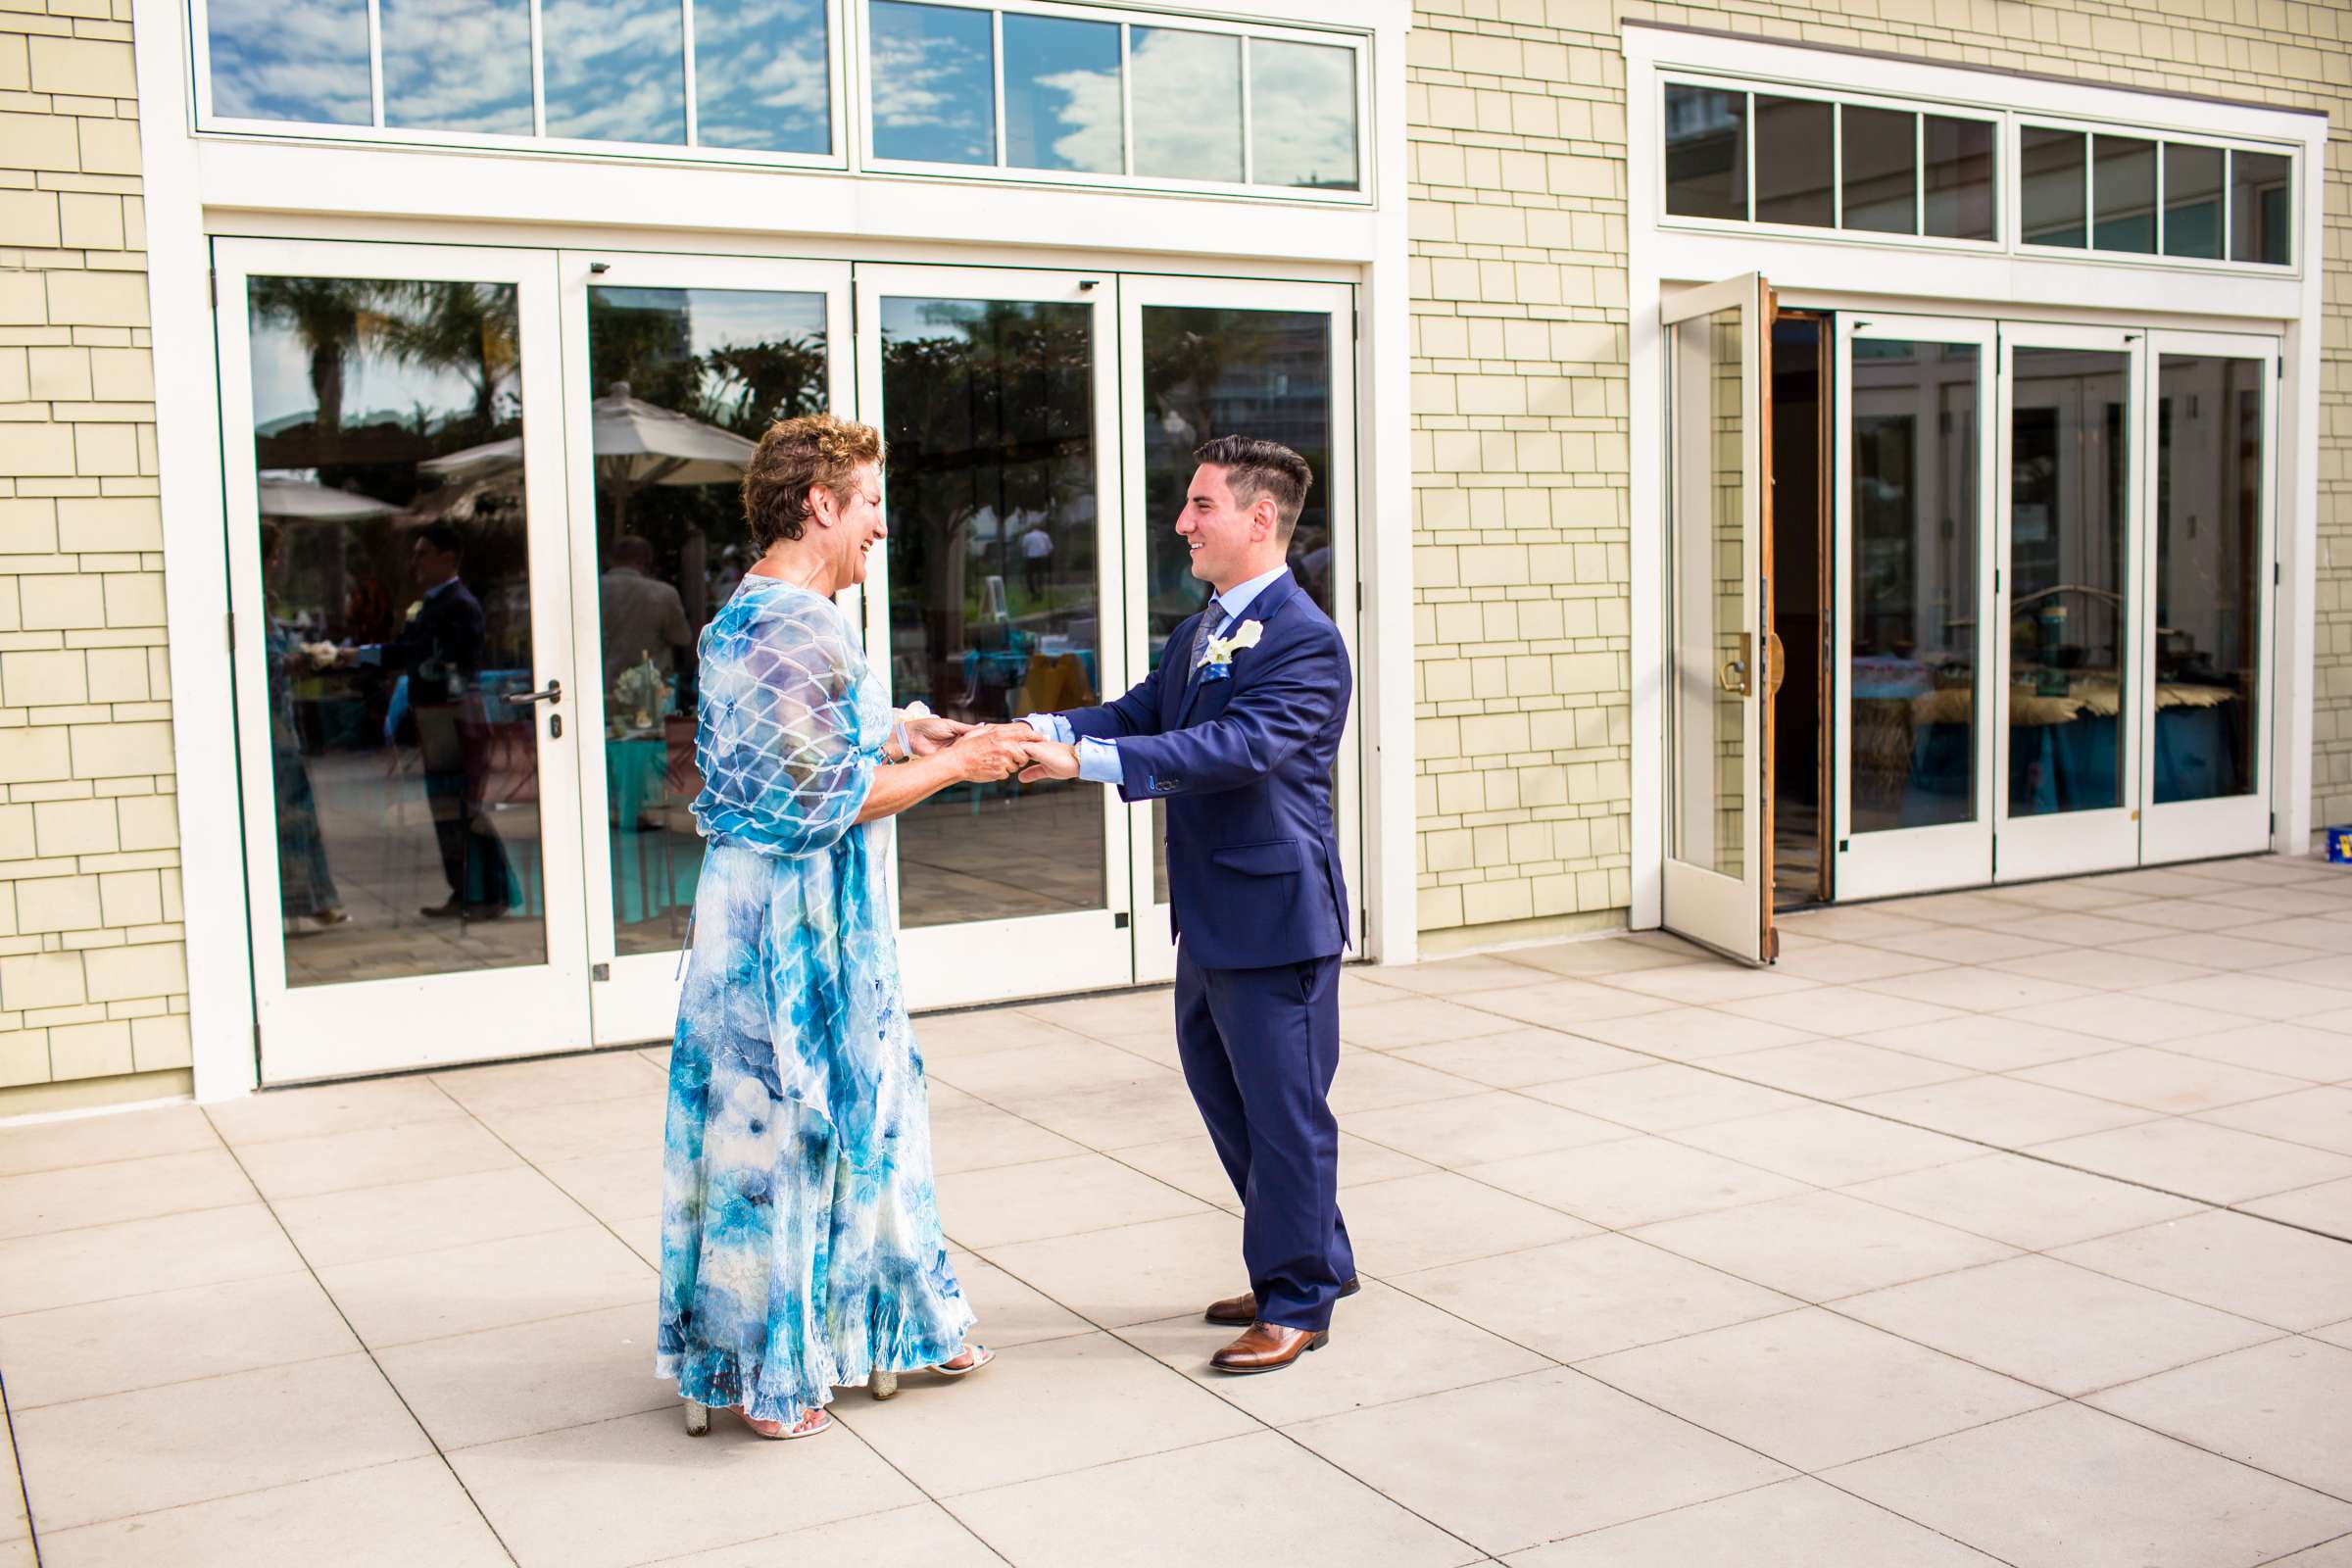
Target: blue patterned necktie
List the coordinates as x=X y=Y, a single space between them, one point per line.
x=1215 y=613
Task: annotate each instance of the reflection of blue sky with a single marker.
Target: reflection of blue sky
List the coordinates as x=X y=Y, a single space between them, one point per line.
x=1301 y=115
x=1187 y=104
x=375 y=387
x=303 y=62
x=759 y=77
x=458 y=65
x=921 y=318
x=1062 y=94
x=615 y=68
x=933 y=86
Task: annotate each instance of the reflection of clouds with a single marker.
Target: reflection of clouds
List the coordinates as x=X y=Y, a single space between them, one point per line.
x=458 y=65
x=1187 y=104
x=934 y=85
x=1089 y=109
x=375 y=386
x=730 y=318
x=1062 y=94
x=616 y=70
x=1302 y=115
x=759 y=76
x=305 y=62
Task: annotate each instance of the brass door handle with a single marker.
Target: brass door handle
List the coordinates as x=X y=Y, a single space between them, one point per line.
x=1734 y=675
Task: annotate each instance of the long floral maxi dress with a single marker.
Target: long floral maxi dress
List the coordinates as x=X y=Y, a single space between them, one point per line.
x=801 y=1246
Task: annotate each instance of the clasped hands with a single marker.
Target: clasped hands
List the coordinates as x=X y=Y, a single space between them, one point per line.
x=989 y=753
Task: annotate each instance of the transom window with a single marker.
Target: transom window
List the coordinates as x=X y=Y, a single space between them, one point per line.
x=2100 y=190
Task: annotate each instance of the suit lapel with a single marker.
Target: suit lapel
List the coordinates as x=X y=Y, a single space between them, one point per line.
x=1264 y=608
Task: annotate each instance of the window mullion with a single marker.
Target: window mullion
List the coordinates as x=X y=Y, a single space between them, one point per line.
x=1248 y=135
x=375 y=62
x=694 y=126
x=538 y=74
x=1838 y=165
x=1748 y=129
x=1126 y=100
x=996 y=29
x=1919 y=173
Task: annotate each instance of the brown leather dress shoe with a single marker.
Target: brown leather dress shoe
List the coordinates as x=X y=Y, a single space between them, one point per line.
x=1240 y=1311
x=1268 y=1347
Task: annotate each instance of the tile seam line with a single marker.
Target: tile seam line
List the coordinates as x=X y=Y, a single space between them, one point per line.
x=16 y=1454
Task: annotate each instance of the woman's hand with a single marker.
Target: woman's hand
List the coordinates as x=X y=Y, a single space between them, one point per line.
x=928 y=734
x=985 y=754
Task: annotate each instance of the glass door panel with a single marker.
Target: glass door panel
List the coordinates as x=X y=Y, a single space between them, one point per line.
x=1914 y=564
x=1718 y=888
x=999 y=597
x=1210 y=358
x=2207 y=712
x=676 y=365
x=2068 y=798
x=400 y=646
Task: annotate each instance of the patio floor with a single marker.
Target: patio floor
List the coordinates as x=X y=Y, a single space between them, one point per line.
x=2007 y=1227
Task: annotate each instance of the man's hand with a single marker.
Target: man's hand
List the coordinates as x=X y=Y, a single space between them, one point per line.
x=928 y=734
x=987 y=753
x=1050 y=759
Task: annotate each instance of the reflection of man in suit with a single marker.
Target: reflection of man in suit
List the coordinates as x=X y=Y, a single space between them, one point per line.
x=643 y=616
x=440 y=650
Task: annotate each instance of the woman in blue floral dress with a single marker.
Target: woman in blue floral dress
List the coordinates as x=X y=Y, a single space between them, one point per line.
x=801 y=1244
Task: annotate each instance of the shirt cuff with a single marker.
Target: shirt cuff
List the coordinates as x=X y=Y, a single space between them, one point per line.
x=1099 y=762
x=1053 y=726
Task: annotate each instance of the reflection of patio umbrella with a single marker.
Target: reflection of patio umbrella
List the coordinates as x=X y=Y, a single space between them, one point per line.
x=299 y=500
x=636 y=444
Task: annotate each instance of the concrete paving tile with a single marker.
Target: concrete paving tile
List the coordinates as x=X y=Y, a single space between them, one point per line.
x=70 y=1143
x=459 y=1290
x=1370 y=1081
x=426 y=1216
x=1514 y=1464
x=183 y=1443
x=99 y=1262
x=1962 y=909
x=1136 y=1273
x=1452 y=977
x=1416 y=1022
x=1358 y=988
x=1975 y=987
x=1634 y=1181
x=1567 y=1003
x=2088 y=893
x=2337 y=1553
x=1845 y=963
x=2294 y=1049
x=1665 y=1097
x=2231 y=1262
x=1836 y=1070
x=42 y=1201
x=1428 y=1221
x=1701 y=985
x=622 y=1492
x=2338 y=1022
x=2217 y=949
x=1107 y=1015
x=1827 y=1146
x=2286 y=1408
x=392 y=1516
x=1615 y=955
x=2060 y=1327
x=2319 y=1117
x=2159 y=1079
x=2330 y=934
x=2101 y=969
x=544 y=1133
x=555 y=1081
x=1005 y=1077
x=2321 y=970
x=2024 y=1202
x=270 y=1115
x=925 y=1533
x=2216 y=1165
x=1987 y=1041
x=1858 y=922
x=1593 y=1296
x=472 y=1388
x=1191 y=1165
x=1521 y=1056
x=1818 y=1247
x=373 y=1156
x=1691 y=1033
x=611 y=1187
x=1476 y=1128
x=2071 y=1488
x=2127 y=1017
x=1108 y=1116
x=1149 y=1513
x=977 y=1136
x=1790 y=1524
x=987 y=1031
x=2327 y=1207
x=1010 y=1312
x=1385 y=1346
x=2165 y=882
x=2005 y=1111
x=985 y=1208
x=1839 y=1011
x=1812 y=1388
x=2250 y=994
x=2080 y=929
x=1960 y=945
x=141 y=1342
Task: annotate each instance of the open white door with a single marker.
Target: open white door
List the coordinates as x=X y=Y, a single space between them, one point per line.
x=1717 y=884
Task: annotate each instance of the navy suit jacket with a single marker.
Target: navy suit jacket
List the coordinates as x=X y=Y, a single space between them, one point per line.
x=1245 y=765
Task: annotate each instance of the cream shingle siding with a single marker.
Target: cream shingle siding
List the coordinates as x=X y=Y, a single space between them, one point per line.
x=1520 y=468
x=92 y=975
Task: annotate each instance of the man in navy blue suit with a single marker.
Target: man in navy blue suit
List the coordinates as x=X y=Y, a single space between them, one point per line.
x=1237 y=730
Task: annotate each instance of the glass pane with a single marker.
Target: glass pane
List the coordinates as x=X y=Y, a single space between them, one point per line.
x=458 y=65
x=934 y=85
x=2209 y=435
x=1913 y=682
x=2051 y=185
x=1301 y=116
x=616 y=70
x=1880 y=152
x=274 y=62
x=2193 y=199
x=1708 y=488
x=2262 y=208
x=1706 y=151
x=2069 y=606
x=389 y=437
x=1960 y=177
x=1187 y=95
x=2122 y=191
x=1793 y=160
x=1062 y=95
x=759 y=76
x=988 y=406
x=1210 y=372
x=685 y=381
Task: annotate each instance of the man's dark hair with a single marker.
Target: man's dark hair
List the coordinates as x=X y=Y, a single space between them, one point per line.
x=445 y=538
x=634 y=549
x=1255 y=468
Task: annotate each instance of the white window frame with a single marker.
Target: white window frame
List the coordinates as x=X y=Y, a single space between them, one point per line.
x=1358 y=45
x=2088 y=251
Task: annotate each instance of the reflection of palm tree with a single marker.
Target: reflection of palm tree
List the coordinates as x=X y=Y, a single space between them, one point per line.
x=326 y=317
x=745 y=387
x=465 y=328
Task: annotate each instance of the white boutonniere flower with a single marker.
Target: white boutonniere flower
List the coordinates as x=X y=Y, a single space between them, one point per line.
x=1222 y=649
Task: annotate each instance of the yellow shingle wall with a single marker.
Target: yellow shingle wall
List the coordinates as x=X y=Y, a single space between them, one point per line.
x=92 y=977
x=1517 y=122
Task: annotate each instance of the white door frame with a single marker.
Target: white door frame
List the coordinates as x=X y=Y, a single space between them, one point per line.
x=945 y=966
x=384 y=1025
x=635 y=997
x=1950 y=855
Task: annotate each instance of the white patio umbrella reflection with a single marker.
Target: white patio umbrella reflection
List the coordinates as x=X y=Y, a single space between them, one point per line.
x=301 y=501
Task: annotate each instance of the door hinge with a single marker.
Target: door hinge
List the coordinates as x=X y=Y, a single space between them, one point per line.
x=232 y=618
x=599 y=971
x=1355 y=324
x=213 y=286
x=2274 y=574
x=256 y=1042
x=2274 y=824
x=1118 y=922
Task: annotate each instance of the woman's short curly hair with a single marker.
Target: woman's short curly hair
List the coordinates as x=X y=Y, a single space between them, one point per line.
x=793 y=456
